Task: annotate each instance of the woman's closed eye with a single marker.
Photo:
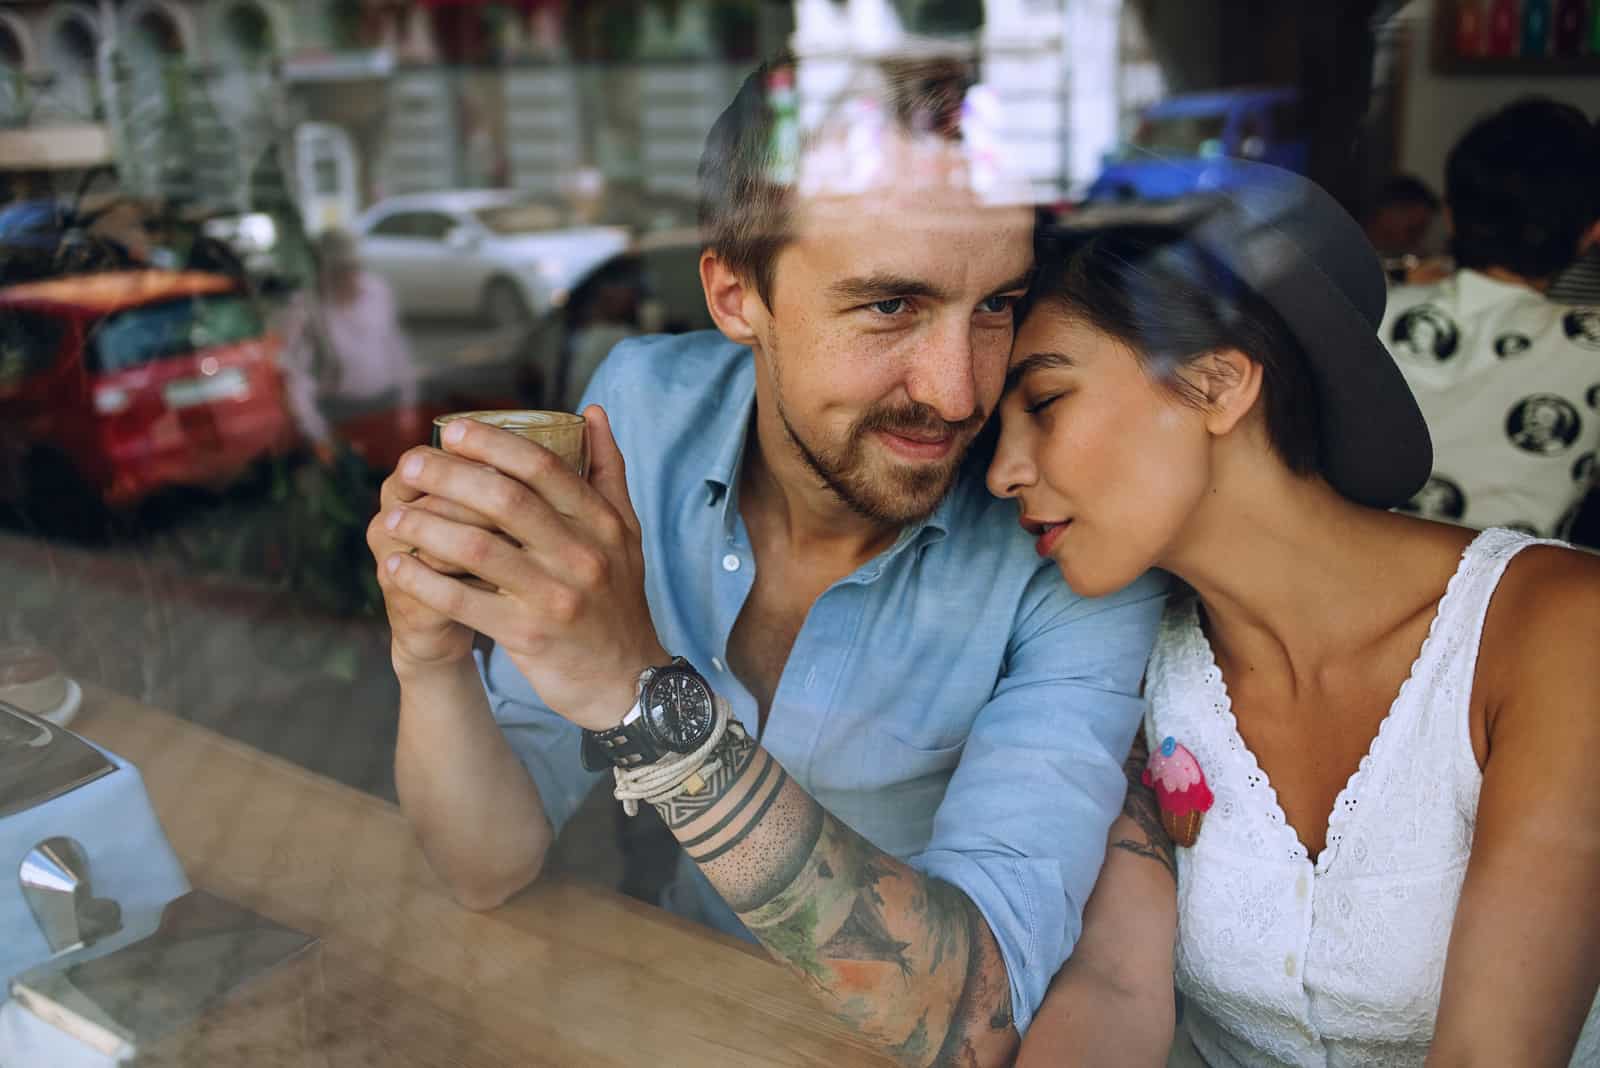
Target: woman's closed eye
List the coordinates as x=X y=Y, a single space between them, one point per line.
x=1034 y=407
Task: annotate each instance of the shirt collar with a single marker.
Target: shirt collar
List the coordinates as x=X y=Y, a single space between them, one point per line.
x=722 y=471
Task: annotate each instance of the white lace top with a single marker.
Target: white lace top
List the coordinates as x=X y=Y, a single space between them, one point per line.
x=1337 y=962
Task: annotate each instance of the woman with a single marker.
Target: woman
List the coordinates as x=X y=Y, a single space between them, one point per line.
x=1397 y=720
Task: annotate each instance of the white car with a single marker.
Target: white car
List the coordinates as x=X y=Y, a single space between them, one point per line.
x=497 y=254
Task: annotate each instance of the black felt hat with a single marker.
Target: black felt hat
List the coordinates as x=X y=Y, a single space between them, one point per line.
x=1291 y=243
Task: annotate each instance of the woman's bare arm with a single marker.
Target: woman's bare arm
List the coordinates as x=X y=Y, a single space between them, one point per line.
x=1112 y=1002
x=1524 y=956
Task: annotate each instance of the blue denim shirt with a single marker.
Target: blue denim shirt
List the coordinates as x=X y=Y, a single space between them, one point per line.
x=952 y=700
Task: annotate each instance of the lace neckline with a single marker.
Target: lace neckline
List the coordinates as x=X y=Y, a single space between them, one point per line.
x=1215 y=688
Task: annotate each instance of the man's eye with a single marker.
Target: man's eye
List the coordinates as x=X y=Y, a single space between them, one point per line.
x=892 y=306
x=996 y=305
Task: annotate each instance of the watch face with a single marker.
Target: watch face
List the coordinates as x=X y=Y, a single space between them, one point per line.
x=679 y=709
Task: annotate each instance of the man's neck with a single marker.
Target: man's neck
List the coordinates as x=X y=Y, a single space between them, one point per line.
x=785 y=503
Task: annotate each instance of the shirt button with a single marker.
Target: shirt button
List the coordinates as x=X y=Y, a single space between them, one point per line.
x=716 y=665
x=730 y=562
x=1288 y=966
x=811 y=678
x=1300 y=888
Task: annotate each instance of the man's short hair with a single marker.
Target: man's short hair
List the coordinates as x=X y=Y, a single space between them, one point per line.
x=1523 y=185
x=745 y=205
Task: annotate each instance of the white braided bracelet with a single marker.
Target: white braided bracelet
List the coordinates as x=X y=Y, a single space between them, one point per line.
x=662 y=781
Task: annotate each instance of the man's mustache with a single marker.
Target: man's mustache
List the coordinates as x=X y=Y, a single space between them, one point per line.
x=918 y=421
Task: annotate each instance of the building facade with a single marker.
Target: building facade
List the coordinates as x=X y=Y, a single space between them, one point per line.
x=337 y=103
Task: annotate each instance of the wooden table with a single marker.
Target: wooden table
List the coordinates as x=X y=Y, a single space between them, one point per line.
x=565 y=974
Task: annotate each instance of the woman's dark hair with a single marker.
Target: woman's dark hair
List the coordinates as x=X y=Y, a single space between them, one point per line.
x=1171 y=302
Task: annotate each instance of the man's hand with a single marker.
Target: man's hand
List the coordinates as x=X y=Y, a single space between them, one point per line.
x=563 y=557
x=422 y=637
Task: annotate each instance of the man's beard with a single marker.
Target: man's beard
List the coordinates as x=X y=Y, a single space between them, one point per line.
x=888 y=493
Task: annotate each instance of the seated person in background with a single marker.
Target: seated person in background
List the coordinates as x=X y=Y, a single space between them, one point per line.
x=922 y=729
x=597 y=318
x=1580 y=283
x=1400 y=217
x=345 y=353
x=1508 y=380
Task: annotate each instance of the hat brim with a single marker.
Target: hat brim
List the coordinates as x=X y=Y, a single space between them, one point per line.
x=1374 y=444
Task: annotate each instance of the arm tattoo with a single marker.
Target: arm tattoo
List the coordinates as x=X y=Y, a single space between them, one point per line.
x=904 y=959
x=1140 y=806
x=732 y=755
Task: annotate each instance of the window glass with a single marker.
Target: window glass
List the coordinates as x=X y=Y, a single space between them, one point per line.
x=139 y=336
x=29 y=343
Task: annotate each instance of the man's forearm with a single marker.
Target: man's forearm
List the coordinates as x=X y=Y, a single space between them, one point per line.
x=475 y=809
x=905 y=959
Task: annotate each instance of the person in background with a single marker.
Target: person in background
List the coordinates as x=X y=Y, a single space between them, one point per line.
x=345 y=353
x=1401 y=216
x=1505 y=376
x=1580 y=283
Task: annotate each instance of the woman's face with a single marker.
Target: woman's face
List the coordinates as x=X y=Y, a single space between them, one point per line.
x=1106 y=464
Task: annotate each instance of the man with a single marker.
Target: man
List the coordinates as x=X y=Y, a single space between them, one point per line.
x=345 y=353
x=1580 y=282
x=1500 y=370
x=909 y=801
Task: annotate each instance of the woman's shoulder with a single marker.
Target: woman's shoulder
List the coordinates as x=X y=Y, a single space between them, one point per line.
x=1541 y=634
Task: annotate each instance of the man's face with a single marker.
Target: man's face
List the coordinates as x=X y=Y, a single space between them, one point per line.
x=885 y=343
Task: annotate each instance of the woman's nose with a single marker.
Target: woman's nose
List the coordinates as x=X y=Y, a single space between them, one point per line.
x=1011 y=471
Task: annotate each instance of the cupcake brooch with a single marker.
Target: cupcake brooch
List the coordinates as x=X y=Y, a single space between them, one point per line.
x=1181 y=791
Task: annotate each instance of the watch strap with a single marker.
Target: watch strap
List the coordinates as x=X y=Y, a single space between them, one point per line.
x=630 y=744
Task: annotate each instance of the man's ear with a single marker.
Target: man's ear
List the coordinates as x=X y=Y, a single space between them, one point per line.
x=735 y=306
x=1230 y=382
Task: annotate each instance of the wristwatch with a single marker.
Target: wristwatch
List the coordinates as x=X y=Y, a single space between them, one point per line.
x=675 y=713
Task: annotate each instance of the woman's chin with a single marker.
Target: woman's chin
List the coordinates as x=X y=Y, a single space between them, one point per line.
x=1089 y=577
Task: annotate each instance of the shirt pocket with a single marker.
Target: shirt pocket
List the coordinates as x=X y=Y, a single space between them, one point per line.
x=882 y=755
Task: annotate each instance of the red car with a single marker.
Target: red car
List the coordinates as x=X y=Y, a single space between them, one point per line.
x=125 y=383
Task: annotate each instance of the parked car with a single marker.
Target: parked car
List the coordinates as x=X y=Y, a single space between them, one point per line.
x=114 y=386
x=57 y=238
x=1178 y=140
x=34 y=224
x=651 y=287
x=45 y=238
x=493 y=253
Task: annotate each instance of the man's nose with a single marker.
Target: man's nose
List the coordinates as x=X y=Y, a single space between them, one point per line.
x=944 y=375
x=1011 y=471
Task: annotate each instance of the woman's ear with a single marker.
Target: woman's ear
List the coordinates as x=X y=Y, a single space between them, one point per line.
x=732 y=301
x=1230 y=382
